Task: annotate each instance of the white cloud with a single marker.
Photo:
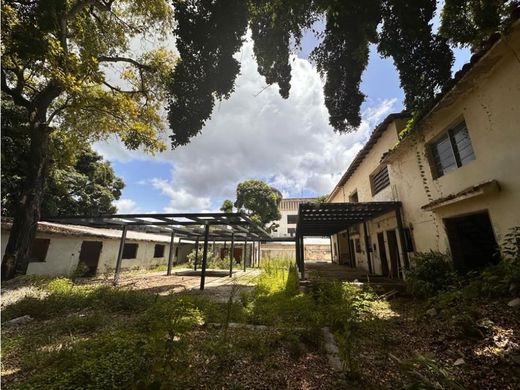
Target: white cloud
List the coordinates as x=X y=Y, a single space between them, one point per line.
x=260 y=135
x=126 y=206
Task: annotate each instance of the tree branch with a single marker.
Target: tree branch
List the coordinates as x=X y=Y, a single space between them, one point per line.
x=125 y=59
x=16 y=94
x=117 y=89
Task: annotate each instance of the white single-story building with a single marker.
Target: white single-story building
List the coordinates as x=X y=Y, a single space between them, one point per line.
x=59 y=248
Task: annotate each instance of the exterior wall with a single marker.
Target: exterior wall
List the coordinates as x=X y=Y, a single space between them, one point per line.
x=491 y=111
x=287 y=207
x=63 y=254
x=288 y=251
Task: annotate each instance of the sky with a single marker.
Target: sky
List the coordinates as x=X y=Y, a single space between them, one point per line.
x=256 y=134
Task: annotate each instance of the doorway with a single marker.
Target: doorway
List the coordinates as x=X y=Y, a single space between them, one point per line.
x=393 y=250
x=382 y=253
x=89 y=255
x=472 y=241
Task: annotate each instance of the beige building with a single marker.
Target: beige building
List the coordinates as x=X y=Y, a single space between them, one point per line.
x=289 y=212
x=457 y=176
x=58 y=249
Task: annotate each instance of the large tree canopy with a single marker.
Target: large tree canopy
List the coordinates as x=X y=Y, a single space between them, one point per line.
x=260 y=201
x=402 y=30
x=69 y=67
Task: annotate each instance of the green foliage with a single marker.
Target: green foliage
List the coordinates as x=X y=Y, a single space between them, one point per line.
x=432 y=272
x=260 y=201
x=227 y=206
x=208 y=34
x=422 y=57
x=470 y=22
x=423 y=372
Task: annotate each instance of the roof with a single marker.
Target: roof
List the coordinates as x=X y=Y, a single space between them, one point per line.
x=372 y=140
x=221 y=226
x=81 y=231
x=326 y=219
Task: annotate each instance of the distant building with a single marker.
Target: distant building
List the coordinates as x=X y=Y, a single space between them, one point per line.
x=58 y=249
x=289 y=211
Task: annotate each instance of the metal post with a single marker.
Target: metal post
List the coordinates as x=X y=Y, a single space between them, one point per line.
x=245 y=256
x=196 y=252
x=331 y=251
x=367 y=248
x=400 y=229
x=259 y=252
x=204 y=257
x=170 y=255
x=302 y=257
x=120 y=254
x=297 y=252
x=348 y=249
x=231 y=255
x=214 y=249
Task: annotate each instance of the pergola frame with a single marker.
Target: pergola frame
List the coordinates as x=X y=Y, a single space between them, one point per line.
x=234 y=227
x=327 y=219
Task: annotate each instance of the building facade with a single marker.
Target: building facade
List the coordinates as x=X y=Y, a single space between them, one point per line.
x=457 y=175
x=289 y=212
x=58 y=249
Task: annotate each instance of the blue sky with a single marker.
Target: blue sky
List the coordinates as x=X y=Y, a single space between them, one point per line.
x=259 y=135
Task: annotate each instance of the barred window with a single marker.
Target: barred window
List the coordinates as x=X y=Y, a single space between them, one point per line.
x=291 y=219
x=451 y=151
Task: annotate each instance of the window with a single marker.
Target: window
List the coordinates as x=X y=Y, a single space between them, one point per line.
x=292 y=219
x=408 y=241
x=39 y=250
x=291 y=231
x=158 y=251
x=353 y=198
x=451 y=151
x=130 y=251
x=379 y=180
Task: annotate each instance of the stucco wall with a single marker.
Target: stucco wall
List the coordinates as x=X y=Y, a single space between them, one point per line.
x=489 y=104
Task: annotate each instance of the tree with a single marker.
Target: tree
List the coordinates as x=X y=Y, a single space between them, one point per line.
x=227 y=206
x=260 y=201
x=402 y=30
x=68 y=67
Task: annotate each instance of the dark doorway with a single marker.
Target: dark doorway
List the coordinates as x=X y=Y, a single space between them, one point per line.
x=382 y=253
x=352 y=253
x=393 y=250
x=472 y=241
x=89 y=255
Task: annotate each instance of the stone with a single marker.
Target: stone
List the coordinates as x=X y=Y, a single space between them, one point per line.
x=431 y=312
x=459 y=362
x=514 y=303
x=18 y=321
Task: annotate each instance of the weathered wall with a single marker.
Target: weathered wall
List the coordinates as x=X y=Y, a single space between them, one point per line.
x=488 y=102
x=288 y=251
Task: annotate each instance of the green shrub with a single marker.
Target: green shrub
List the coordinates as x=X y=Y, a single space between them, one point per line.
x=432 y=272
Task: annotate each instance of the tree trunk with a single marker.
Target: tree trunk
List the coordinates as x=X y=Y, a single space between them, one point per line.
x=27 y=215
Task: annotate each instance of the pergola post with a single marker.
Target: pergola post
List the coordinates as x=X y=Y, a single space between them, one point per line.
x=400 y=229
x=297 y=252
x=170 y=255
x=302 y=257
x=245 y=254
x=259 y=253
x=204 y=257
x=196 y=252
x=231 y=255
x=120 y=254
x=367 y=248
x=349 y=249
x=331 y=251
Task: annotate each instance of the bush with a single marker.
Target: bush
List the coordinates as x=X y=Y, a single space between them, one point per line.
x=432 y=273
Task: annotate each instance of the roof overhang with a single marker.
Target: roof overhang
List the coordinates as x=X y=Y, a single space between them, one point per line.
x=326 y=219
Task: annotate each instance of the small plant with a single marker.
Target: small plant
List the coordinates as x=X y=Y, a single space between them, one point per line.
x=423 y=372
x=433 y=272
x=81 y=270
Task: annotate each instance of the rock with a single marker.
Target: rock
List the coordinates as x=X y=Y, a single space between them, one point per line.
x=459 y=362
x=514 y=303
x=432 y=312
x=18 y=321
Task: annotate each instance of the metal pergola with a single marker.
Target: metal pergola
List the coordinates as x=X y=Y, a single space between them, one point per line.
x=327 y=219
x=233 y=227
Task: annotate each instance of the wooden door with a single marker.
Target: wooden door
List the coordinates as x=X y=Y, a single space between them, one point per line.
x=393 y=250
x=382 y=253
x=89 y=255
